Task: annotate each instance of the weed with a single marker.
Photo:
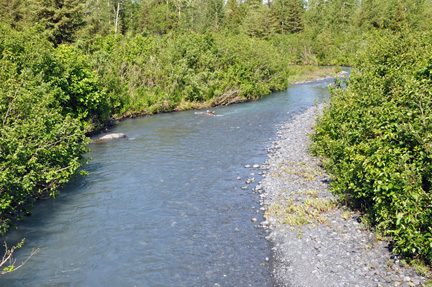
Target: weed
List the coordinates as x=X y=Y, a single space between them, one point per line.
x=346 y=214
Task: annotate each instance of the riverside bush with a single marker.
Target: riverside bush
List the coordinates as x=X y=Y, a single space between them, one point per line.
x=147 y=75
x=375 y=136
x=42 y=137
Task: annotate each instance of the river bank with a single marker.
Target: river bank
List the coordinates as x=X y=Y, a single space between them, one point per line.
x=315 y=241
x=302 y=74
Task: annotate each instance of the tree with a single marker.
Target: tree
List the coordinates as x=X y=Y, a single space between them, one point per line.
x=288 y=15
x=257 y=22
x=295 y=16
x=11 y=12
x=144 y=17
x=215 y=14
x=60 y=18
x=158 y=16
x=233 y=15
x=129 y=17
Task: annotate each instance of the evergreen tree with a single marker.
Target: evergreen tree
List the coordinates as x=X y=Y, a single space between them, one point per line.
x=257 y=22
x=233 y=15
x=215 y=14
x=61 y=19
x=373 y=14
x=11 y=12
x=253 y=4
x=129 y=17
x=280 y=12
x=97 y=19
x=162 y=16
x=144 y=17
x=288 y=15
x=295 y=16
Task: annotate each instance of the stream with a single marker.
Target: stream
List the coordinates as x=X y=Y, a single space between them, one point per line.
x=163 y=207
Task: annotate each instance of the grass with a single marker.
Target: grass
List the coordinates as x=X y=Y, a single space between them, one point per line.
x=346 y=214
x=300 y=213
x=311 y=73
x=303 y=171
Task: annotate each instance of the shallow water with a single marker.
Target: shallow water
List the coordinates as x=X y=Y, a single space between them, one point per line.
x=164 y=206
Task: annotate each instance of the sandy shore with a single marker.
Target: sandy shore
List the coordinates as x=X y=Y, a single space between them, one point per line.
x=316 y=242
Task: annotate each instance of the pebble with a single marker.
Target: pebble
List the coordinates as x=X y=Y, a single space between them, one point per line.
x=335 y=254
x=248 y=166
x=254 y=220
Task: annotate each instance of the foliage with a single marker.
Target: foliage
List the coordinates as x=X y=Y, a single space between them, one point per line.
x=66 y=66
x=60 y=19
x=41 y=143
x=376 y=138
x=148 y=75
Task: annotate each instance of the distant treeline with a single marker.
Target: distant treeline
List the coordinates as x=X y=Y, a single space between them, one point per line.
x=68 y=66
x=313 y=32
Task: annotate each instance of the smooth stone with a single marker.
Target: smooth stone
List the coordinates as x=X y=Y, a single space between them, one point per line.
x=254 y=220
x=110 y=137
x=248 y=166
x=255 y=166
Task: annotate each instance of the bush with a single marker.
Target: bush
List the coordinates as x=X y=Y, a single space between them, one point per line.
x=376 y=139
x=41 y=142
x=147 y=75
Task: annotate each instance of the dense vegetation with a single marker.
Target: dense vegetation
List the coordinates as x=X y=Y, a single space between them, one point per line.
x=376 y=137
x=69 y=66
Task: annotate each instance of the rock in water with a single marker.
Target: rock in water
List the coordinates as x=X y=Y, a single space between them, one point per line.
x=110 y=137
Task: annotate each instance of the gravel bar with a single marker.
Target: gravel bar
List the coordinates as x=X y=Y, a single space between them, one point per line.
x=321 y=244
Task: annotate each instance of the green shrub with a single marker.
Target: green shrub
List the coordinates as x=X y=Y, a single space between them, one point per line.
x=150 y=75
x=376 y=138
x=41 y=145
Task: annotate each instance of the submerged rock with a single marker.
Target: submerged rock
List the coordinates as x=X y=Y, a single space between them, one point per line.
x=109 y=137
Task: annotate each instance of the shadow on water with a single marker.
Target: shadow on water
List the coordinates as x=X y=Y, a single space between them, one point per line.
x=164 y=206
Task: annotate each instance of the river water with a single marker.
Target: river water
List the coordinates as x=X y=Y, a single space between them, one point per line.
x=163 y=207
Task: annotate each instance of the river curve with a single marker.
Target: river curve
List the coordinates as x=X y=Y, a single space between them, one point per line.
x=163 y=207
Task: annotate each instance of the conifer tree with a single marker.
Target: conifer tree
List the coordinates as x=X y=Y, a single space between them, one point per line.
x=215 y=14
x=162 y=16
x=61 y=19
x=144 y=17
x=11 y=12
x=253 y=4
x=288 y=15
x=129 y=17
x=257 y=22
x=295 y=16
x=233 y=15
